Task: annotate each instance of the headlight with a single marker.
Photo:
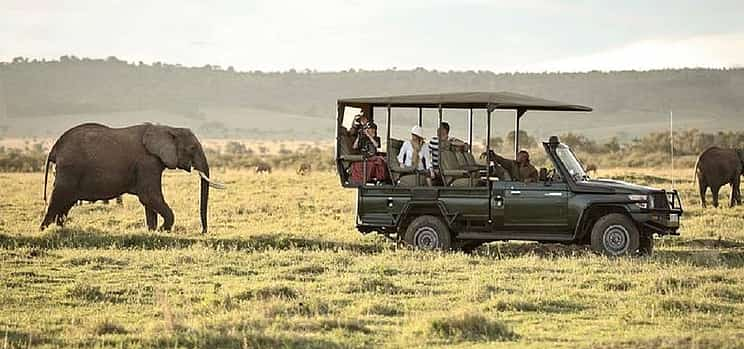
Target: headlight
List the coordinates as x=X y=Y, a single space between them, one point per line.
x=640 y=200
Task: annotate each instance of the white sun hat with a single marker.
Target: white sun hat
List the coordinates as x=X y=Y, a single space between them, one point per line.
x=417 y=130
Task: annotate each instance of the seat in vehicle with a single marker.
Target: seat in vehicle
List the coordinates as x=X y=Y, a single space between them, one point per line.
x=453 y=174
x=346 y=153
x=401 y=175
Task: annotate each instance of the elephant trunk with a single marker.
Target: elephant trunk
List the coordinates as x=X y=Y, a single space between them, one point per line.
x=200 y=164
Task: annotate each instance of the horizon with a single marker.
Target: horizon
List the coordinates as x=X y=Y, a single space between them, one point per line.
x=216 y=67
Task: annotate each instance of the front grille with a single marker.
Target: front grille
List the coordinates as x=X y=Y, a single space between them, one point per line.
x=660 y=200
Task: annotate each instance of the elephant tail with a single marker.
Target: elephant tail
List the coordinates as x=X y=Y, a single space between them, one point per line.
x=50 y=159
x=46 y=178
x=695 y=171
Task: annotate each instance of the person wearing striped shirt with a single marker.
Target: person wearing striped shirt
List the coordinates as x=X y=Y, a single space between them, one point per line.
x=440 y=141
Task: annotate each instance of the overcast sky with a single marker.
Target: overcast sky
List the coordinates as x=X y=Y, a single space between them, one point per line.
x=525 y=35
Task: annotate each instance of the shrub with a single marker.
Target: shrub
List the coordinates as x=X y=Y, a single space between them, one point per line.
x=471 y=327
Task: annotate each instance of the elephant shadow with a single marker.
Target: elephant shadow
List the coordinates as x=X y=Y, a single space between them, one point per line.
x=90 y=238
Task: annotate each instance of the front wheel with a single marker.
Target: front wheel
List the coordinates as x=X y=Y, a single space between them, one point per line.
x=428 y=233
x=615 y=235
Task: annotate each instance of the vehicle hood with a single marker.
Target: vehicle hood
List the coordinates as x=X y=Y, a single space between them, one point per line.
x=612 y=186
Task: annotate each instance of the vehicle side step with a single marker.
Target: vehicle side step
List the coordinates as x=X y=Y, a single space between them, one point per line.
x=517 y=235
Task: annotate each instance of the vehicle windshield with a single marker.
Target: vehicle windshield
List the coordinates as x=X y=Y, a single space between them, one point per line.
x=567 y=157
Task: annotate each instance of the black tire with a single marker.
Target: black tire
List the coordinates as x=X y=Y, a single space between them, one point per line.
x=615 y=235
x=428 y=233
x=646 y=246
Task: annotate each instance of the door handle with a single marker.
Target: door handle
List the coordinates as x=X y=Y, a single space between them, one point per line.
x=516 y=192
x=499 y=201
x=553 y=194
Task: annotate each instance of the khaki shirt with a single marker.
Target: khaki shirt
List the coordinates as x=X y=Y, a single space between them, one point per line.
x=523 y=173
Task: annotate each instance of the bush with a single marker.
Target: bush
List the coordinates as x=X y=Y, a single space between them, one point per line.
x=471 y=327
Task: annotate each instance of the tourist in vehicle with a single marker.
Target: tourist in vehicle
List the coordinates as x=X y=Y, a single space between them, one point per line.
x=361 y=121
x=367 y=143
x=441 y=141
x=520 y=169
x=415 y=153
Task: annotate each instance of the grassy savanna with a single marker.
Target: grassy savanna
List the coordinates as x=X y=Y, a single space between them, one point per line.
x=283 y=266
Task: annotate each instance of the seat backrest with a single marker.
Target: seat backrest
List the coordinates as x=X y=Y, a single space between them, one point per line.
x=470 y=158
x=344 y=142
x=393 y=149
x=461 y=159
x=448 y=160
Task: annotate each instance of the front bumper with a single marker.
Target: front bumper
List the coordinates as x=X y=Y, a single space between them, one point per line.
x=663 y=220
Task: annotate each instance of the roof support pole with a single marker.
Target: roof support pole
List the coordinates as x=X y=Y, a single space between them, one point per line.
x=421 y=117
x=488 y=159
x=520 y=112
x=387 y=144
x=440 y=115
x=470 y=130
x=389 y=126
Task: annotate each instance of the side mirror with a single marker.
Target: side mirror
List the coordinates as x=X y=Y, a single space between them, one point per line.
x=543 y=174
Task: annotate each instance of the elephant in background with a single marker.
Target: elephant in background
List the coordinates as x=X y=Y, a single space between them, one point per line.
x=96 y=162
x=717 y=167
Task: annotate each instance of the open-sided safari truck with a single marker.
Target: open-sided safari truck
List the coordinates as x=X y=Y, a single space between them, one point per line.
x=474 y=206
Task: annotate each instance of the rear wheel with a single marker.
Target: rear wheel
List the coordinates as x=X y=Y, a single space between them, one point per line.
x=428 y=233
x=646 y=247
x=615 y=235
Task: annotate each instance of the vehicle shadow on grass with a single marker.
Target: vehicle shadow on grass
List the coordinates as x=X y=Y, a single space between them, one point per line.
x=700 y=253
x=543 y=250
x=702 y=257
x=96 y=238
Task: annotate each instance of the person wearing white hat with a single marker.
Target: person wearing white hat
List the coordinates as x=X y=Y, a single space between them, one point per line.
x=414 y=152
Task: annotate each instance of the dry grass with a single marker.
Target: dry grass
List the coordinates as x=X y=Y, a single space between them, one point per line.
x=284 y=267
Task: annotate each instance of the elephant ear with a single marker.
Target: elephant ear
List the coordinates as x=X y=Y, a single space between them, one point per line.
x=160 y=141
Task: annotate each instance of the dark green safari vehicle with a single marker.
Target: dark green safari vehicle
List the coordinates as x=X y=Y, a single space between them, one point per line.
x=472 y=205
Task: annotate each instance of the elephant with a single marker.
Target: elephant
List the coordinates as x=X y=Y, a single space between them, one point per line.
x=716 y=167
x=97 y=162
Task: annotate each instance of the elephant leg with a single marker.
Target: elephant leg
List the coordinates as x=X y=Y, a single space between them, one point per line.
x=157 y=204
x=735 y=191
x=62 y=217
x=164 y=210
x=703 y=189
x=59 y=205
x=715 y=191
x=151 y=217
x=732 y=198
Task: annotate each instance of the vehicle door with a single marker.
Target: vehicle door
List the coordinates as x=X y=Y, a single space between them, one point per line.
x=536 y=207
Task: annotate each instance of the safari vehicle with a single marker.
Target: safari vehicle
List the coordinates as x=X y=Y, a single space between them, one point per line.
x=474 y=206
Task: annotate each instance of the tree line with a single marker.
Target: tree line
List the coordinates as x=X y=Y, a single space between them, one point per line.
x=32 y=87
x=650 y=150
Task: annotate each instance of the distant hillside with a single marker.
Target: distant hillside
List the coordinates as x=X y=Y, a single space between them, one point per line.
x=41 y=98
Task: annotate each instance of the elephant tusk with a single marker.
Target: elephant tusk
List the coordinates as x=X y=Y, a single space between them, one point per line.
x=213 y=184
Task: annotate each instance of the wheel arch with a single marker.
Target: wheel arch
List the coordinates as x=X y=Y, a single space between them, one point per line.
x=412 y=210
x=594 y=212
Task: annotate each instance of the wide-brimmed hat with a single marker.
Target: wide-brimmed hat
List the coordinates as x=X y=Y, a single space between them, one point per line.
x=417 y=130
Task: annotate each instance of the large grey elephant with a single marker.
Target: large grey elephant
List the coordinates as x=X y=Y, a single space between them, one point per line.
x=96 y=162
x=717 y=167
